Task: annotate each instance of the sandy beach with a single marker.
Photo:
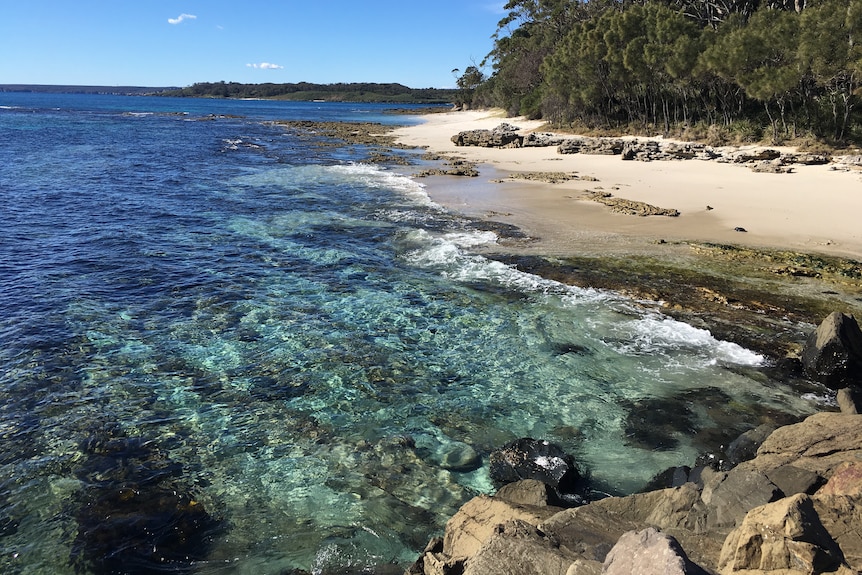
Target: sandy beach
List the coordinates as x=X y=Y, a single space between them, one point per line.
x=814 y=209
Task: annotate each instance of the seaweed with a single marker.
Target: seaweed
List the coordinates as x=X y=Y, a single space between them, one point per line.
x=135 y=515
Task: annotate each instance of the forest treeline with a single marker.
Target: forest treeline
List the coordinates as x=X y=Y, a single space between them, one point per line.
x=343 y=92
x=776 y=69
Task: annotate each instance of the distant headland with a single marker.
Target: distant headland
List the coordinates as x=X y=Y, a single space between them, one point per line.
x=303 y=91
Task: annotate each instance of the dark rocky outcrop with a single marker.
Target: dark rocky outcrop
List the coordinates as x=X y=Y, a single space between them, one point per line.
x=594 y=146
x=653 y=150
x=503 y=136
x=794 y=508
x=644 y=150
x=746 y=445
x=833 y=353
x=542 y=140
x=529 y=458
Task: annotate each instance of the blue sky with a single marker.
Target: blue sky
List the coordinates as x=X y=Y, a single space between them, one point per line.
x=177 y=43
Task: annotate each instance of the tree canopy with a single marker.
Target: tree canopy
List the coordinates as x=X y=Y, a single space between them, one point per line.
x=790 y=66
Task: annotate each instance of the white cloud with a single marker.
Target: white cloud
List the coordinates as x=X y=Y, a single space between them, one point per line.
x=180 y=18
x=265 y=66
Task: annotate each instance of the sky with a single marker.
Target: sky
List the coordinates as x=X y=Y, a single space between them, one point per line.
x=177 y=43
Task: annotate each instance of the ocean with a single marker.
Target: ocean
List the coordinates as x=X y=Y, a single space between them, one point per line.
x=226 y=347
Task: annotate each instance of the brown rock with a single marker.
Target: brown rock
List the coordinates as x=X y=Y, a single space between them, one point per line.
x=848 y=401
x=518 y=548
x=841 y=515
x=845 y=480
x=648 y=552
x=527 y=492
x=476 y=521
x=786 y=534
x=592 y=530
x=440 y=564
x=819 y=443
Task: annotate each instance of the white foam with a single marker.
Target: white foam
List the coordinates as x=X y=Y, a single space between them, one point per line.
x=445 y=254
x=659 y=334
x=377 y=177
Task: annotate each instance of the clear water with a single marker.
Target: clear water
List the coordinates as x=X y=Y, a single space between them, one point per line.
x=295 y=341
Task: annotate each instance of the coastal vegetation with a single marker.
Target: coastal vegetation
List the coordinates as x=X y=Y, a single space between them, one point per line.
x=718 y=69
x=305 y=91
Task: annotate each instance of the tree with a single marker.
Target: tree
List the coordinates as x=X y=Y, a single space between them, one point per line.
x=467 y=83
x=830 y=51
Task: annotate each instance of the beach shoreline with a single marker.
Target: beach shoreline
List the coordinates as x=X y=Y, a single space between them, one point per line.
x=814 y=209
x=764 y=288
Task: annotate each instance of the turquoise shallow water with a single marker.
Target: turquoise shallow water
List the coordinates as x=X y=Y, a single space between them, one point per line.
x=270 y=350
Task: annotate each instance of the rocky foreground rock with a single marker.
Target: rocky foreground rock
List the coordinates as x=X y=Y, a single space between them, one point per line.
x=796 y=507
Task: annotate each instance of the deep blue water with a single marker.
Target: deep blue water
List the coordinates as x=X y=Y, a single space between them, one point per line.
x=257 y=354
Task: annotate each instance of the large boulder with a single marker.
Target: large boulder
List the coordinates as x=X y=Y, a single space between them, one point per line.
x=503 y=136
x=528 y=492
x=648 y=552
x=786 y=534
x=594 y=146
x=477 y=520
x=529 y=458
x=819 y=443
x=519 y=548
x=833 y=353
x=742 y=489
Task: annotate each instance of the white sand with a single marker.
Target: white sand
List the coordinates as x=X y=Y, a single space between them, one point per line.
x=813 y=209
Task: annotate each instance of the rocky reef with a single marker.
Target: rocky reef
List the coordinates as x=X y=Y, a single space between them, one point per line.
x=794 y=508
x=777 y=501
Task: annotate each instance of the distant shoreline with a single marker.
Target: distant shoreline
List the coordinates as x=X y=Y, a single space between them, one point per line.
x=301 y=92
x=74 y=89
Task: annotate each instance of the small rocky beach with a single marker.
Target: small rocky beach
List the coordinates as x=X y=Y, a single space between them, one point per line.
x=785 y=496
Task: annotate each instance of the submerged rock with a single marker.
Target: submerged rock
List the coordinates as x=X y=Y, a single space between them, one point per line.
x=135 y=515
x=657 y=423
x=141 y=530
